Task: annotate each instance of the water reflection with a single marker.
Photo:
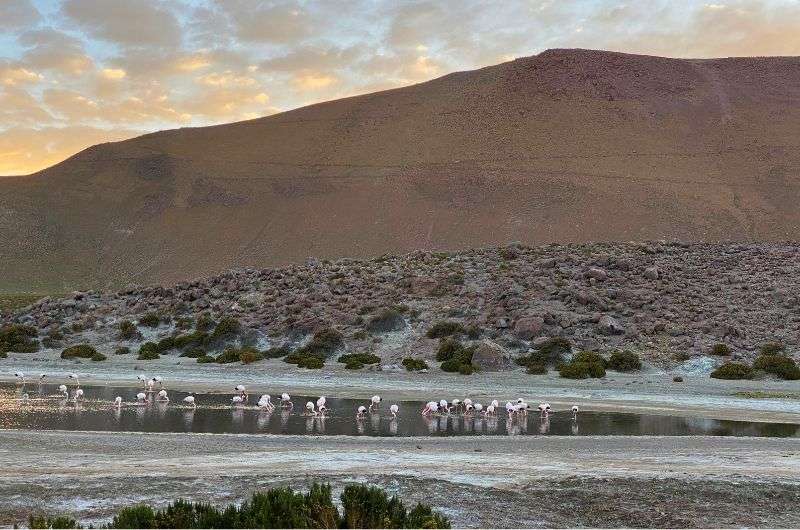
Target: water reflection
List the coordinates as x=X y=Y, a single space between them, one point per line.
x=46 y=408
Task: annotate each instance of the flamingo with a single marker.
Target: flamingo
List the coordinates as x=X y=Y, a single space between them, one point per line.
x=78 y=395
x=443 y=405
x=157 y=379
x=393 y=409
x=478 y=408
x=242 y=391
x=62 y=389
x=142 y=379
x=189 y=400
x=430 y=408
x=141 y=398
x=468 y=409
x=118 y=402
x=362 y=411
x=20 y=378
x=237 y=401
x=24 y=398
x=162 y=396
x=42 y=377
x=467 y=402
x=455 y=404
x=286 y=401
x=150 y=384
x=495 y=403
x=574 y=412
x=490 y=411
x=265 y=402
x=310 y=409
x=375 y=402
x=75 y=377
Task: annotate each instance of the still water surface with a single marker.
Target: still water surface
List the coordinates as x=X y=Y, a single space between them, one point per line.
x=47 y=410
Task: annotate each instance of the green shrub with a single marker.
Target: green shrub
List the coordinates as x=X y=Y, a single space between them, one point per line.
x=99 y=357
x=277 y=352
x=3 y=355
x=194 y=353
x=413 y=365
x=589 y=357
x=228 y=328
x=150 y=320
x=362 y=507
x=581 y=370
x=354 y=365
x=19 y=338
x=122 y=350
x=324 y=343
x=448 y=348
x=166 y=344
x=62 y=521
x=311 y=362
x=624 y=361
x=206 y=359
x=731 y=370
x=451 y=365
x=235 y=355
x=363 y=358
x=536 y=369
x=720 y=349
x=473 y=332
x=205 y=323
x=444 y=328
x=148 y=352
x=195 y=339
x=466 y=369
x=386 y=321
x=772 y=348
x=779 y=365
x=549 y=353
x=83 y=351
x=127 y=330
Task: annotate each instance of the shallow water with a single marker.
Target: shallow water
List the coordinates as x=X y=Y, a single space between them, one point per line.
x=45 y=409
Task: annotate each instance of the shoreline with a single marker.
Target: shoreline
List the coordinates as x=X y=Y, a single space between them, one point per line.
x=647 y=392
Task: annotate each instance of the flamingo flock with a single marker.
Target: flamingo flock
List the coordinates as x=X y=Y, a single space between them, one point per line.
x=153 y=390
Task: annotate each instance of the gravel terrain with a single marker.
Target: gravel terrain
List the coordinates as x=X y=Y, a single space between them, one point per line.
x=530 y=481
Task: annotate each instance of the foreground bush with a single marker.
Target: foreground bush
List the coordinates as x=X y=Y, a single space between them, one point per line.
x=624 y=361
x=455 y=357
x=82 y=351
x=127 y=330
x=18 y=338
x=323 y=344
x=148 y=352
x=731 y=370
x=362 y=507
x=720 y=349
x=235 y=355
x=778 y=365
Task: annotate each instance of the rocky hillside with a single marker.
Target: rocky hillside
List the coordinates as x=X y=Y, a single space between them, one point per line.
x=659 y=299
x=565 y=146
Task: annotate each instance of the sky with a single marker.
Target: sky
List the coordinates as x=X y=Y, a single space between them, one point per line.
x=74 y=73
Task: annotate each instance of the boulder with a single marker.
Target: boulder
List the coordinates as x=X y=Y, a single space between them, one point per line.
x=609 y=326
x=528 y=327
x=596 y=273
x=651 y=273
x=491 y=357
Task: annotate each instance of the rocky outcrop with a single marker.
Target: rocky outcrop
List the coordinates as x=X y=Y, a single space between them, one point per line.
x=491 y=357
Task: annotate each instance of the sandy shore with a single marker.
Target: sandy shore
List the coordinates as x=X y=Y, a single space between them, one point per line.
x=89 y=474
x=651 y=392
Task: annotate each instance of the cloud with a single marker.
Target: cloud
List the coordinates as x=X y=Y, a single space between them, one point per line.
x=310 y=81
x=18 y=15
x=12 y=74
x=265 y=21
x=50 y=49
x=130 y=22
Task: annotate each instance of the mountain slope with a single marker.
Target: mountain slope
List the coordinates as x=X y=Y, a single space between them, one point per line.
x=568 y=145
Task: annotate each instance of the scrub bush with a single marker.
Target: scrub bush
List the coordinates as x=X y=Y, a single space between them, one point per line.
x=731 y=370
x=412 y=365
x=781 y=366
x=83 y=351
x=624 y=361
x=19 y=339
x=720 y=349
x=444 y=328
x=150 y=320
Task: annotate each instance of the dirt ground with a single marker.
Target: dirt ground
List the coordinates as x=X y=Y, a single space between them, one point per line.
x=505 y=482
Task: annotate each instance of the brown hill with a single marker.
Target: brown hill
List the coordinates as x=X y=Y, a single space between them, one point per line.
x=568 y=145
